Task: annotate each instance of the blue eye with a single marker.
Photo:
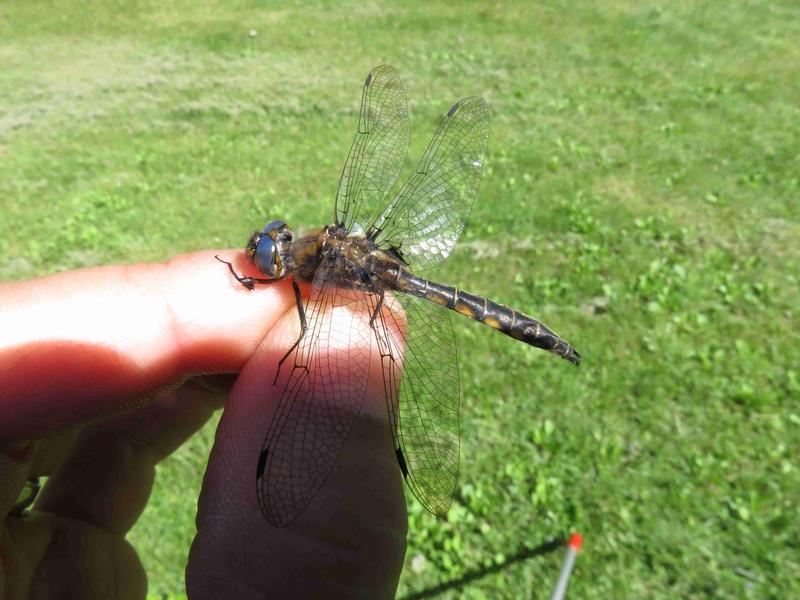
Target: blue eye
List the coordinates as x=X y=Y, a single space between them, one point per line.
x=265 y=256
x=272 y=226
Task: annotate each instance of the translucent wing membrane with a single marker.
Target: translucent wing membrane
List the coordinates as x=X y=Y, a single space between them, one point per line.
x=324 y=378
x=324 y=381
x=378 y=150
x=426 y=217
x=424 y=413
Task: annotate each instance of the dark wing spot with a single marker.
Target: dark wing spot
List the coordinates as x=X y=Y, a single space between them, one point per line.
x=452 y=110
x=368 y=81
x=402 y=462
x=262 y=462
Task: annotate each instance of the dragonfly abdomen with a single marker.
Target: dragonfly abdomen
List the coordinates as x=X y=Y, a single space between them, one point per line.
x=497 y=316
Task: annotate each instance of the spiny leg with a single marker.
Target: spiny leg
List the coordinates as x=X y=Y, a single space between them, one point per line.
x=376 y=312
x=248 y=282
x=300 y=311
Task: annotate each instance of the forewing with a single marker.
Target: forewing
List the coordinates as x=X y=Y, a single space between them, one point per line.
x=426 y=217
x=378 y=150
x=424 y=414
x=324 y=381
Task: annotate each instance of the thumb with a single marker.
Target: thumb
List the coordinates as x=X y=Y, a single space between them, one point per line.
x=348 y=541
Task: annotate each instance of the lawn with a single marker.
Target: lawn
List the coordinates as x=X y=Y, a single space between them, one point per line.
x=641 y=196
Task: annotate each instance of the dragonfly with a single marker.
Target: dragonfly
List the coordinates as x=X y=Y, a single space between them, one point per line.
x=372 y=260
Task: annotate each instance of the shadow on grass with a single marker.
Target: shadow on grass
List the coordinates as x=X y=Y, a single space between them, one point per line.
x=476 y=574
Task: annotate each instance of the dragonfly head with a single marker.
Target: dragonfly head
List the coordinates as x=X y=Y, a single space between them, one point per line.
x=267 y=248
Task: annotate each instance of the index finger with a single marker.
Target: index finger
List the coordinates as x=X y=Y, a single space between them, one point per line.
x=87 y=343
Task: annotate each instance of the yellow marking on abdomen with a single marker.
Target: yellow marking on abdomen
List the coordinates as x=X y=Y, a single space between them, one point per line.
x=466 y=310
x=439 y=299
x=492 y=322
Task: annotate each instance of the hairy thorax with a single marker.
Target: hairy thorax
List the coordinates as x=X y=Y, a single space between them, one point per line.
x=350 y=260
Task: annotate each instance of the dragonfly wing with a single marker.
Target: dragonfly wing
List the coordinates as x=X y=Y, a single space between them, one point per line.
x=426 y=217
x=324 y=382
x=423 y=395
x=378 y=150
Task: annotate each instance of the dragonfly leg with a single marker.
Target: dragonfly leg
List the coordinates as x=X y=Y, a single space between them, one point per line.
x=376 y=312
x=302 y=313
x=248 y=282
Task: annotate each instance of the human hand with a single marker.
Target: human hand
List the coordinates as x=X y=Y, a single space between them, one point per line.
x=103 y=368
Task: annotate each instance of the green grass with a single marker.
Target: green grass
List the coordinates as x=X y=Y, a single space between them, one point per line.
x=643 y=189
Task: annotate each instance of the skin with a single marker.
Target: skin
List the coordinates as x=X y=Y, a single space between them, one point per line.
x=105 y=371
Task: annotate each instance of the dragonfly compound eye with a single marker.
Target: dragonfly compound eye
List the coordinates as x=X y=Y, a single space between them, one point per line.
x=266 y=257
